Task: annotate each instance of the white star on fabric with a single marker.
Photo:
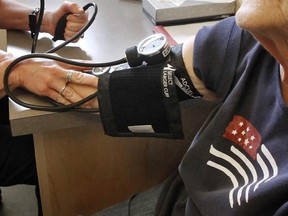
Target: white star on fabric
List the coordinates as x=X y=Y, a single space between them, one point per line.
x=246 y=142
x=234 y=132
x=241 y=124
x=243 y=133
x=252 y=138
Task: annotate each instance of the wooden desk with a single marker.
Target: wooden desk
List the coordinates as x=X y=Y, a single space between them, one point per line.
x=80 y=169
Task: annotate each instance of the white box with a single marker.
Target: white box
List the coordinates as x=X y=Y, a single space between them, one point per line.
x=167 y=13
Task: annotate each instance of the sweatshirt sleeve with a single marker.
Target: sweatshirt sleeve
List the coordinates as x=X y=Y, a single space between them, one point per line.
x=216 y=51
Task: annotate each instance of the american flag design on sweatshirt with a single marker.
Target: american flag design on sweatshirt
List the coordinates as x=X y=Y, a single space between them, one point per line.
x=244 y=135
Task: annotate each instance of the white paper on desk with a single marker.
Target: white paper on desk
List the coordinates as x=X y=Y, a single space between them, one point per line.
x=175 y=2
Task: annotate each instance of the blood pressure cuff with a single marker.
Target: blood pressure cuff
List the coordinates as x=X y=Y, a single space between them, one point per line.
x=140 y=102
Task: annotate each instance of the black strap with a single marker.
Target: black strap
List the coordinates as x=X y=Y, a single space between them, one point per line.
x=186 y=89
x=33 y=21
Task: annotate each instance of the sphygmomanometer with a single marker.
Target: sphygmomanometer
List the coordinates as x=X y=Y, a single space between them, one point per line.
x=138 y=95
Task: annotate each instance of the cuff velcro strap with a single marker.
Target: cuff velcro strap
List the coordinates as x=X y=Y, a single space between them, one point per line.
x=186 y=89
x=140 y=101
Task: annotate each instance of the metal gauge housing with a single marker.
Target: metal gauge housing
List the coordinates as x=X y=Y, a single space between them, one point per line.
x=154 y=49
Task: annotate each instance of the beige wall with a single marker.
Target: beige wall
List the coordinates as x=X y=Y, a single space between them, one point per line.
x=3 y=39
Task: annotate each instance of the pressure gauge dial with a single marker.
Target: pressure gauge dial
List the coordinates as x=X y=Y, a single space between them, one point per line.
x=154 y=48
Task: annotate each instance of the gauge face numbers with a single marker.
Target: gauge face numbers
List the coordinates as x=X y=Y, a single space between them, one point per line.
x=153 y=45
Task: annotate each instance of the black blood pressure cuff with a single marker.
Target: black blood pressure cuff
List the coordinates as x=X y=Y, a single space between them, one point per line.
x=140 y=101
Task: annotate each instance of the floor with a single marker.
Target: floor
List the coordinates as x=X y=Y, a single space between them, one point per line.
x=18 y=200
